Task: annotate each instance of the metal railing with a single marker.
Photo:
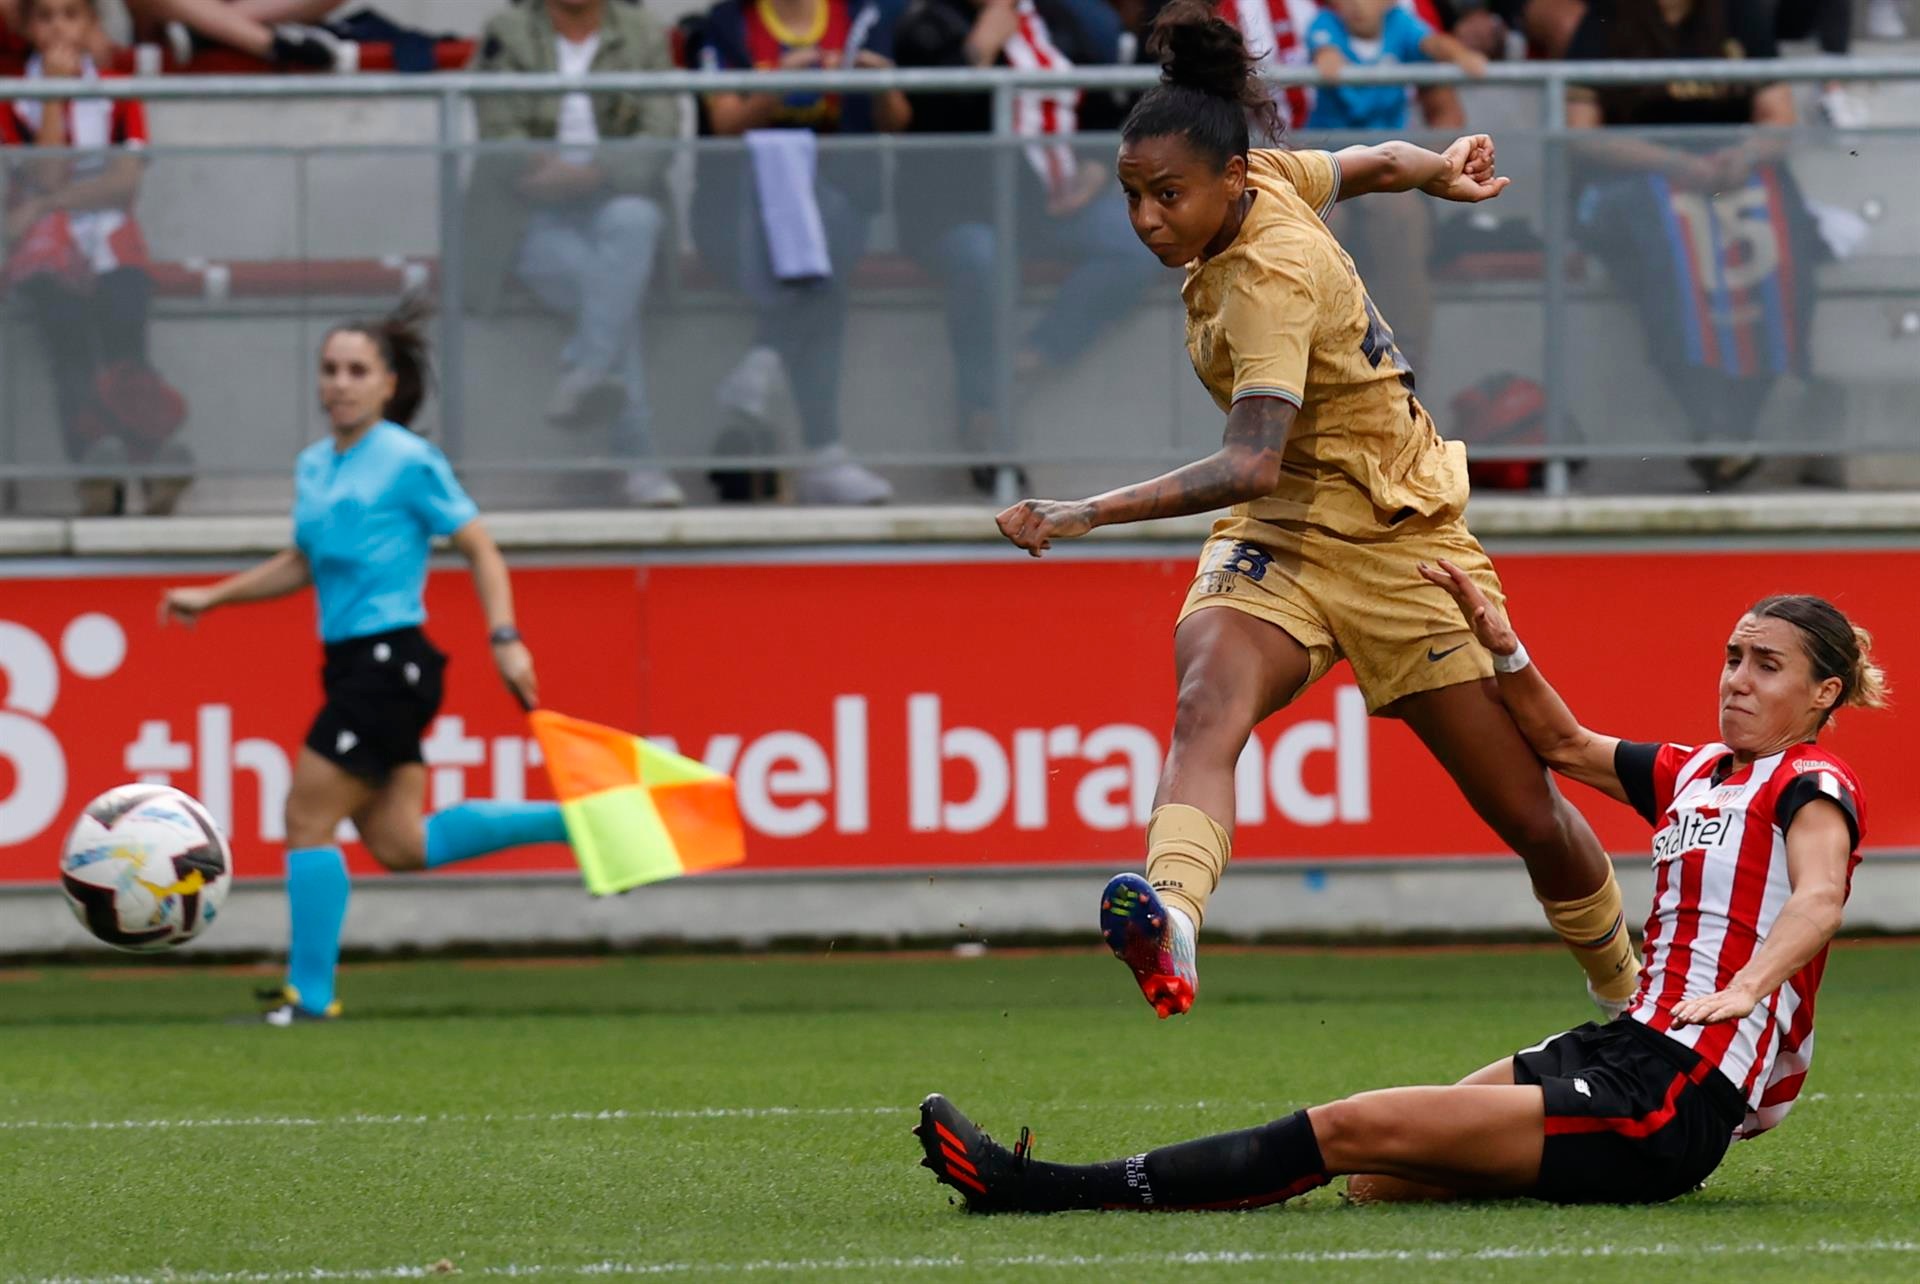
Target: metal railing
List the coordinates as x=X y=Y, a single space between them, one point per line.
x=1550 y=142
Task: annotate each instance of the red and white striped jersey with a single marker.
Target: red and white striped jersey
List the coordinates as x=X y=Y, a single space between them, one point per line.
x=1039 y=113
x=1276 y=34
x=77 y=243
x=1720 y=878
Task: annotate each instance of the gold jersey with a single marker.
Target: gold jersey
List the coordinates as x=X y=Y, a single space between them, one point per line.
x=1282 y=313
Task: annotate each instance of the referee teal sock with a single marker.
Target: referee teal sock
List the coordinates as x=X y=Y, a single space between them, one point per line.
x=471 y=829
x=317 y=905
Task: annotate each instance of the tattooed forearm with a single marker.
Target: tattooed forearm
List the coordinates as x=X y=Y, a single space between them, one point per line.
x=1222 y=479
x=1246 y=466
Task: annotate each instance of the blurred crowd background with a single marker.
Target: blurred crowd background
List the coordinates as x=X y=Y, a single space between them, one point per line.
x=838 y=298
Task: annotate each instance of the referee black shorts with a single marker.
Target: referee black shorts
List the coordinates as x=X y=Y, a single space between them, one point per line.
x=1632 y=1116
x=383 y=692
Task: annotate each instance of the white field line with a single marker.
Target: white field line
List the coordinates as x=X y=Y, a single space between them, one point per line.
x=1168 y=1261
x=391 y=1121
x=642 y=1115
x=574 y=1116
x=1859 y=1096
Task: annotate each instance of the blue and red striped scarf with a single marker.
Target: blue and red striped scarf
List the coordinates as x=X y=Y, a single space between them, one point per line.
x=1722 y=280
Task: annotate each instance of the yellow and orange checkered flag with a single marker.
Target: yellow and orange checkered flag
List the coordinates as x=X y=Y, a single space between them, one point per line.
x=636 y=813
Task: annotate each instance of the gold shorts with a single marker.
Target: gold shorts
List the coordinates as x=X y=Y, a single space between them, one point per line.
x=1359 y=600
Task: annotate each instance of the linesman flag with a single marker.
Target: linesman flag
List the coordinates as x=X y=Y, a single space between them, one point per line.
x=636 y=813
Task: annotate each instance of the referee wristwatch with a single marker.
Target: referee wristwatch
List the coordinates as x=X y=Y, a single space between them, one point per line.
x=503 y=635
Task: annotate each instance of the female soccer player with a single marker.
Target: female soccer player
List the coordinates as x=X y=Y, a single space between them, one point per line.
x=367 y=504
x=1756 y=841
x=1339 y=484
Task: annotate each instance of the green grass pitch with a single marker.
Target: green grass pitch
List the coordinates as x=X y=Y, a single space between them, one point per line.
x=747 y=1117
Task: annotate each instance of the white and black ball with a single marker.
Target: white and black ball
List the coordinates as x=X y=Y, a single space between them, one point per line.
x=145 y=868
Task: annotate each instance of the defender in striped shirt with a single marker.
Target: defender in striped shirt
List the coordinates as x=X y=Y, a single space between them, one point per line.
x=1758 y=834
x=1723 y=876
x=1756 y=839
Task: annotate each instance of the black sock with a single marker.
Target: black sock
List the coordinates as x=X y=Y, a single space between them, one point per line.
x=1244 y=1169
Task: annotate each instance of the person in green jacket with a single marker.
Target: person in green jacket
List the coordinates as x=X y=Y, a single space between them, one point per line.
x=578 y=223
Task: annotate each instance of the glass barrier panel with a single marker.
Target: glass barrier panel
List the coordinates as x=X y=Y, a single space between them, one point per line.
x=939 y=308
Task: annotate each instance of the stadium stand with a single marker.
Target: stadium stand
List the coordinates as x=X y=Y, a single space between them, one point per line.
x=238 y=299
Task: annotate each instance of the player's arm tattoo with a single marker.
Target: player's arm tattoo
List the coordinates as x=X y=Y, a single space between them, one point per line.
x=1246 y=467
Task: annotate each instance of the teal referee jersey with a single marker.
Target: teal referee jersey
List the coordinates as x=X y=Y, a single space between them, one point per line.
x=365 y=519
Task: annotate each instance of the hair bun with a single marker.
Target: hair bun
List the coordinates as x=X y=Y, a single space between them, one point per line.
x=1199 y=50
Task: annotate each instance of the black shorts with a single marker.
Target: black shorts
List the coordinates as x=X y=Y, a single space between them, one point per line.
x=383 y=692
x=1632 y=1116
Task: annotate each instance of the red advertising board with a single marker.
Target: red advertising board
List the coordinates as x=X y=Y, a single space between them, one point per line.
x=968 y=710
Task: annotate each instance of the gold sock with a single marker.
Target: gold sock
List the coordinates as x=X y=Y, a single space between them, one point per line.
x=1186 y=850
x=1595 y=931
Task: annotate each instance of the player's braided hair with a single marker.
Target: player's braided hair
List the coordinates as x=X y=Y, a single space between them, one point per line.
x=1209 y=85
x=401 y=337
x=1835 y=645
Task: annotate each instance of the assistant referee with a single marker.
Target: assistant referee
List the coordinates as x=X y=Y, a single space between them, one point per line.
x=368 y=502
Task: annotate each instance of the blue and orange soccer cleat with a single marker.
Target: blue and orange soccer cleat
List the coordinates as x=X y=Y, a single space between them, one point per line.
x=991 y=1178
x=1144 y=936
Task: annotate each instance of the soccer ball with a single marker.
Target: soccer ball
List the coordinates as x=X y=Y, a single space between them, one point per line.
x=145 y=868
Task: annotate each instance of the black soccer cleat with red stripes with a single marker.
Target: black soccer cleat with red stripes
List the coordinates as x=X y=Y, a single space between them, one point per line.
x=991 y=1178
x=1250 y=1168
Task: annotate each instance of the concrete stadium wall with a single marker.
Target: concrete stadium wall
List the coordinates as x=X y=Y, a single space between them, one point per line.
x=1462 y=900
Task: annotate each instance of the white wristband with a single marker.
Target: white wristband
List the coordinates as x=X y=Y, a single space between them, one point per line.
x=1512 y=663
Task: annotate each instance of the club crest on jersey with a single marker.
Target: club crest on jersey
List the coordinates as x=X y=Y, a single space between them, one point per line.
x=1214 y=583
x=1689 y=831
x=1231 y=562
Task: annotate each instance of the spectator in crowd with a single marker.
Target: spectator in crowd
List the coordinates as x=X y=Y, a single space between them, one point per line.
x=75 y=251
x=109 y=15
x=1831 y=23
x=1541 y=27
x=1712 y=239
x=1548 y=25
x=1481 y=25
x=1374 y=33
x=281 y=32
x=800 y=285
x=1070 y=207
x=1102 y=23
x=578 y=224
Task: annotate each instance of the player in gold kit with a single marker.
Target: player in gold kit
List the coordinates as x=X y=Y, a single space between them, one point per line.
x=1340 y=488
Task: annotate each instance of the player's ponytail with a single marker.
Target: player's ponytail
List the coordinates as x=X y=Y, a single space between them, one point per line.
x=1209 y=85
x=1868 y=688
x=401 y=337
x=1834 y=645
